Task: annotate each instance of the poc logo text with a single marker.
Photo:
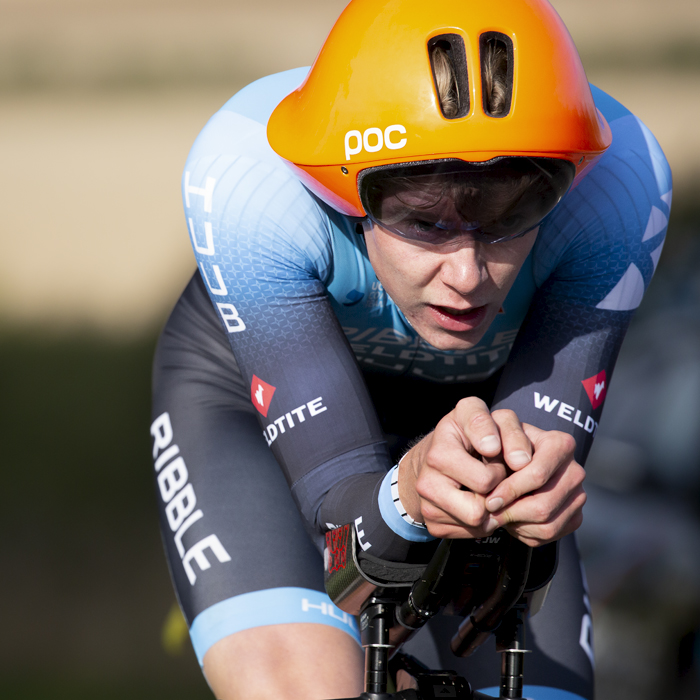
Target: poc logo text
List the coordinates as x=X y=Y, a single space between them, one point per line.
x=373 y=140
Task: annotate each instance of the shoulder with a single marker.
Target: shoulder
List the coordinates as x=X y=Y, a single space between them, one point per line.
x=634 y=147
x=609 y=229
x=240 y=125
x=631 y=177
x=258 y=100
x=234 y=182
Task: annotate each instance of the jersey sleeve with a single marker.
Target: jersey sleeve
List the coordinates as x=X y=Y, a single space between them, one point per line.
x=264 y=249
x=594 y=259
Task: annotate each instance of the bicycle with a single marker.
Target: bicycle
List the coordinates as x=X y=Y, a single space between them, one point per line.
x=493 y=583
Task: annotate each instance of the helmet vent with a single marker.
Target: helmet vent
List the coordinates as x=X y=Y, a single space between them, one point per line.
x=496 y=52
x=448 y=61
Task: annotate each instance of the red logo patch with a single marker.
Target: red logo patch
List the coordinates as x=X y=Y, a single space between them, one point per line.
x=596 y=387
x=261 y=394
x=337 y=548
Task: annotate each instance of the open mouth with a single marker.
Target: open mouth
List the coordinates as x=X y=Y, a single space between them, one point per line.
x=452 y=319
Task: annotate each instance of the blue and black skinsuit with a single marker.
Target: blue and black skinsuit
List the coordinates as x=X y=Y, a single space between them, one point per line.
x=287 y=381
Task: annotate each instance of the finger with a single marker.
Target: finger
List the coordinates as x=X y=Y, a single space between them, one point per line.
x=458 y=532
x=443 y=525
x=474 y=419
x=553 y=450
x=448 y=457
x=442 y=500
x=517 y=448
x=566 y=522
x=544 y=504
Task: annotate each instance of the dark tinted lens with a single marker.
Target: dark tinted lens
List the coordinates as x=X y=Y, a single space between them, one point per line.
x=436 y=201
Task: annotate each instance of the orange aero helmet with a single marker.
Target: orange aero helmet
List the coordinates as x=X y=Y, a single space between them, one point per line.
x=370 y=98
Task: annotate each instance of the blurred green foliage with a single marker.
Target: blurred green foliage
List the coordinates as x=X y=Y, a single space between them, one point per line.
x=83 y=569
x=74 y=412
x=70 y=689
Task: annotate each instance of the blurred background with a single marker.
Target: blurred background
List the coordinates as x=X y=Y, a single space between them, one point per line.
x=100 y=101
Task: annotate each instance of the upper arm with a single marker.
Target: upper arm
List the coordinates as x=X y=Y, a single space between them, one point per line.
x=263 y=249
x=265 y=253
x=594 y=260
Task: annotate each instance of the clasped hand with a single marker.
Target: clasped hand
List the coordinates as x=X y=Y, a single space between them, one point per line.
x=478 y=471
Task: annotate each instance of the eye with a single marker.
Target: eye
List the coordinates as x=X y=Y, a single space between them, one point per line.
x=421 y=230
x=512 y=221
x=419 y=226
x=507 y=225
x=423 y=226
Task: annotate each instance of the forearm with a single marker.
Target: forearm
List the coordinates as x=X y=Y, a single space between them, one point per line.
x=563 y=361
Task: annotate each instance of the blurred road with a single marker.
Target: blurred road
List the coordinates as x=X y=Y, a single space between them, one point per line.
x=101 y=102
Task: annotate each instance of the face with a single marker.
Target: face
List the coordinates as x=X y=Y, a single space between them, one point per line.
x=450 y=293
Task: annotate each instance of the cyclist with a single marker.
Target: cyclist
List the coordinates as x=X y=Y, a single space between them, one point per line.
x=428 y=246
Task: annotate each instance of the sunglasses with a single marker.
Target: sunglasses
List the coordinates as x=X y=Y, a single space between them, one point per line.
x=441 y=201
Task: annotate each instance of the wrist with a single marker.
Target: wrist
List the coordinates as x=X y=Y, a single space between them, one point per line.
x=394 y=514
x=406 y=475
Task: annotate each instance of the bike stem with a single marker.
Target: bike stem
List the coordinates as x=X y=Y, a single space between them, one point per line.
x=375 y=621
x=510 y=642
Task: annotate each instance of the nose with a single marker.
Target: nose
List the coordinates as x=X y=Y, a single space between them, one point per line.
x=462 y=268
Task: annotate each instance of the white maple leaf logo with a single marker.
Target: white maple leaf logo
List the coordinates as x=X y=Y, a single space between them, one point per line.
x=259 y=395
x=598 y=388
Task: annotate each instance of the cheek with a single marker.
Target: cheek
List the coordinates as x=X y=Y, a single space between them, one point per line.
x=504 y=275
x=378 y=258
x=395 y=262
x=506 y=265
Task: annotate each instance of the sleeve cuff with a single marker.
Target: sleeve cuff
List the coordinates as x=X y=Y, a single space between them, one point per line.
x=394 y=514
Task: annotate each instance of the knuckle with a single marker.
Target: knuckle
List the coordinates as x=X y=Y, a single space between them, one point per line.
x=473 y=515
x=577 y=520
x=481 y=481
x=579 y=474
x=567 y=442
x=442 y=429
x=433 y=457
x=541 y=513
x=580 y=500
x=529 y=540
x=479 y=419
x=506 y=413
x=548 y=532
x=470 y=403
x=472 y=521
x=426 y=488
x=496 y=473
x=438 y=530
x=524 y=535
x=539 y=474
x=430 y=513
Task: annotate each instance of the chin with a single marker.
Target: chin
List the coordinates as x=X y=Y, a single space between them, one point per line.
x=445 y=340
